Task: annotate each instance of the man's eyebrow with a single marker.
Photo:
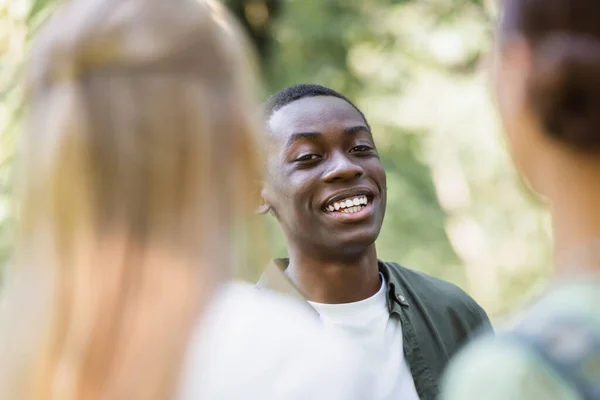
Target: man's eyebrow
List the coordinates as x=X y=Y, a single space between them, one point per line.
x=303 y=135
x=353 y=130
x=314 y=136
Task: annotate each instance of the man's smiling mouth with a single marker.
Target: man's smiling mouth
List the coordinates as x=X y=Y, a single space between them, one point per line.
x=348 y=205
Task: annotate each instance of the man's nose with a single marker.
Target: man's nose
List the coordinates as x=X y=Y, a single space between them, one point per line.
x=342 y=168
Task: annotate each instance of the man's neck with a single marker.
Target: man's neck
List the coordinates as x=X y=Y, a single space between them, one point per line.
x=334 y=281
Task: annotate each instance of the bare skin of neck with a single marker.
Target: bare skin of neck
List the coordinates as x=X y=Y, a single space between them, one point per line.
x=575 y=199
x=335 y=281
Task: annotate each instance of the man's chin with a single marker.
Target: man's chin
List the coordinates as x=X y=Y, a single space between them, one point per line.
x=353 y=242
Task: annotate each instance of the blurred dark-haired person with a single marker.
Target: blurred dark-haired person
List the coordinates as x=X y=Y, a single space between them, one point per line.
x=327 y=188
x=139 y=160
x=547 y=84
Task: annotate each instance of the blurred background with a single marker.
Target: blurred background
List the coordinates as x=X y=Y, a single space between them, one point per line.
x=418 y=69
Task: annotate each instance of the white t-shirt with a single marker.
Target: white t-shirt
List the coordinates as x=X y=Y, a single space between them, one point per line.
x=259 y=345
x=378 y=340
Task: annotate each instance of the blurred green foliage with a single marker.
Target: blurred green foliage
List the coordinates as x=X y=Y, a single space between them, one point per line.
x=418 y=70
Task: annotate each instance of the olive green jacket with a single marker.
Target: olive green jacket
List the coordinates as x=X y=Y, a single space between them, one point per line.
x=437 y=317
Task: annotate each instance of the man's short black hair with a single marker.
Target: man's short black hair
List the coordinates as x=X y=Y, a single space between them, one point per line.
x=300 y=91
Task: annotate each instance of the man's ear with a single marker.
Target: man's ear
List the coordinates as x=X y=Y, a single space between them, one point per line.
x=264 y=206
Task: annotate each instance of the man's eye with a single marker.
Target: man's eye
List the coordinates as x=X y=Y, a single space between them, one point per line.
x=360 y=149
x=308 y=157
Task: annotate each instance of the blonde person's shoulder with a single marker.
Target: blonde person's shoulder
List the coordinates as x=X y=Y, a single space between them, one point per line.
x=494 y=369
x=256 y=344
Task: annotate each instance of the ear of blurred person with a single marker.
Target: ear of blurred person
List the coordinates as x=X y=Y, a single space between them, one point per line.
x=138 y=161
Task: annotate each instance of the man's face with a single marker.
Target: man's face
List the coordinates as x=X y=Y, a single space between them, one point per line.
x=325 y=181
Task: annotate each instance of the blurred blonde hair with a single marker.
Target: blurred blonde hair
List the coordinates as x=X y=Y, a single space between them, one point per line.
x=139 y=156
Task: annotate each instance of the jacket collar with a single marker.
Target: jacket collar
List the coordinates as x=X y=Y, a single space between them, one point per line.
x=274 y=278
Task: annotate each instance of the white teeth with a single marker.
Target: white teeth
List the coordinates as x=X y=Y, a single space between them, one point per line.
x=350 y=205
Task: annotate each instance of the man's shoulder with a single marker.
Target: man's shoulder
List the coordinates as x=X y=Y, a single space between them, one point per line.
x=424 y=284
x=437 y=293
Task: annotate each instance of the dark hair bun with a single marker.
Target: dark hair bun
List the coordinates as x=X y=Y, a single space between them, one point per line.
x=564 y=89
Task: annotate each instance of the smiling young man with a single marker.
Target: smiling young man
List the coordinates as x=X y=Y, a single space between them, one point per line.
x=326 y=186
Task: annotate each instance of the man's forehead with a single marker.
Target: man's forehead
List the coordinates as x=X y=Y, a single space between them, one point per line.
x=314 y=114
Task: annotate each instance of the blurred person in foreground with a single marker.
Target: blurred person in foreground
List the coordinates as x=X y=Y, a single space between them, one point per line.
x=327 y=188
x=547 y=84
x=138 y=162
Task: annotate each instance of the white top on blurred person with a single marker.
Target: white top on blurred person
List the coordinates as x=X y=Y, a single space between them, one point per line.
x=547 y=84
x=139 y=159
